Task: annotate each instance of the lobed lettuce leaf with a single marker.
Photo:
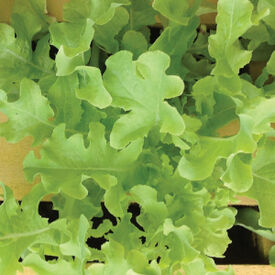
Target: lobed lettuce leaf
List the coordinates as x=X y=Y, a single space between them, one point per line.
x=168 y=119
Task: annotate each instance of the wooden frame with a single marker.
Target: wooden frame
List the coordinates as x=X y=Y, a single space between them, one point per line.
x=239 y=270
x=12 y=155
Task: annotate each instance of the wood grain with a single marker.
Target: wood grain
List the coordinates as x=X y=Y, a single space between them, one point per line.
x=252 y=269
x=55 y=8
x=239 y=270
x=11 y=164
x=263 y=245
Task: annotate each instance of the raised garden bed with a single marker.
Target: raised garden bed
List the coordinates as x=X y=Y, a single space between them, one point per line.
x=227 y=98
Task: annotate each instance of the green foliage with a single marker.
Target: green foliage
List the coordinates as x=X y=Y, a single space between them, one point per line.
x=126 y=118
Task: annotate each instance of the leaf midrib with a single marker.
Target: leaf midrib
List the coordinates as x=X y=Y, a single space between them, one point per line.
x=26 y=61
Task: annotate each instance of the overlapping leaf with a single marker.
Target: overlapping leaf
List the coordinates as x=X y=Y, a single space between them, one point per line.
x=17 y=60
x=178 y=12
x=175 y=41
x=263 y=188
x=22 y=227
x=65 y=162
x=233 y=20
x=42 y=267
x=30 y=17
x=28 y=116
x=140 y=87
x=105 y=35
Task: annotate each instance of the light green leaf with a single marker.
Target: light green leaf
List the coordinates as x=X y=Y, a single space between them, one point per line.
x=74 y=37
x=270 y=5
x=77 y=246
x=17 y=59
x=179 y=235
x=29 y=17
x=233 y=20
x=72 y=208
x=21 y=227
x=261 y=111
x=141 y=14
x=116 y=263
x=143 y=95
x=66 y=65
x=263 y=188
x=153 y=212
x=203 y=92
x=256 y=34
x=42 y=267
x=28 y=116
x=134 y=42
x=62 y=95
x=200 y=163
x=91 y=87
x=105 y=35
x=63 y=169
x=112 y=198
x=77 y=11
x=177 y=11
x=271 y=64
x=41 y=57
x=175 y=41
x=99 y=12
x=238 y=175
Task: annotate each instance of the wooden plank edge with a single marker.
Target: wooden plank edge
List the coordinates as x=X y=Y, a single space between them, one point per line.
x=239 y=270
x=251 y=269
x=245 y=201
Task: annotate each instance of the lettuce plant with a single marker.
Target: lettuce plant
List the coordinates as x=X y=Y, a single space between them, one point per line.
x=125 y=112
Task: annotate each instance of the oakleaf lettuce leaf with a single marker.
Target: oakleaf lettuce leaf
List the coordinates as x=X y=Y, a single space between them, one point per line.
x=143 y=97
x=62 y=169
x=28 y=116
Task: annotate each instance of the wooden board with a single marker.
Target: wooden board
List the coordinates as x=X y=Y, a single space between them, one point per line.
x=252 y=269
x=239 y=270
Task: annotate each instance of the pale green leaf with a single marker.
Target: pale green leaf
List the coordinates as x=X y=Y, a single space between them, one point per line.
x=233 y=20
x=42 y=267
x=134 y=42
x=153 y=211
x=63 y=169
x=200 y=162
x=143 y=95
x=105 y=35
x=29 y=17
x=271 y=64
x=28 y=116
x=263 y=188
x=91 y=87
x=141 y=14
x=22 y=227
x=75 y=38
x=270 y=5
x=177 y=11
x=238 y=175
x=62 y=95
x=17 y=59
x=66 y=65
x=77 y=246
